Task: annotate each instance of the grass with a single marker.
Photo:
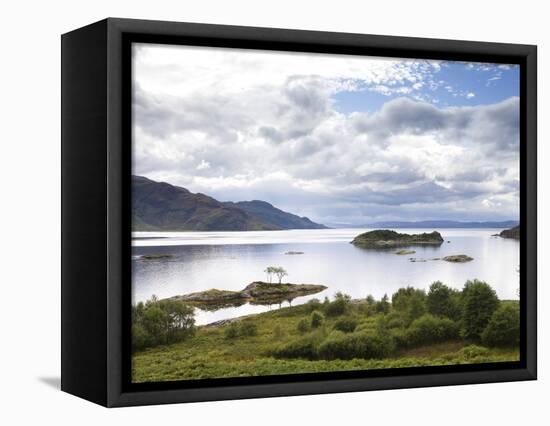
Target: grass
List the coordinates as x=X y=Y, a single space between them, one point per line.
x=212 y=354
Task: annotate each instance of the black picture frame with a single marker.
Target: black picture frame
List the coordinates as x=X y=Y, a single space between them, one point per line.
x=96 y=164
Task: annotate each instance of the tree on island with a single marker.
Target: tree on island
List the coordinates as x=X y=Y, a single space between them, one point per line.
x=279 y=271
x=270 y=270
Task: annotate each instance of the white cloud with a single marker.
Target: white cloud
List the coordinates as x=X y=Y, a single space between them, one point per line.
x=203 y=165
x=238 y=124
x=470 y=95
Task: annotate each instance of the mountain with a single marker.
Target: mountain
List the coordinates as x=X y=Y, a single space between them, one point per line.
x=442 y=224
x=275 y=217
x=159 y=206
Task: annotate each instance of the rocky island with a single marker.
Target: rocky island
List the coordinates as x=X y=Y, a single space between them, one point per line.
x=155 y=256
x=458 y=258
x=382 y=238
x=256 y=291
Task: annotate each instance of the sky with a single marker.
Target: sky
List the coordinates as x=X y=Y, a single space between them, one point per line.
x=343 y=140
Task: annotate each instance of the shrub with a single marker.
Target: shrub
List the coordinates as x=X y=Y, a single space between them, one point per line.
x=383 y=307
x=303 y=326
x=400 y=337
x=140 y=337
x=346 y=325
x=370 y=300
x=479 y=302
x=316 y=319
x=370 y=326
x=338 y=306
x=313 y=305
x=369 y=307
x=443 y=301
x=231 y=331
x=410 y=302
x=429 y=329
x=161 y=322
x=366 y=310
x=248 y=328
x=471 y=352
x=278 y=332
x=395 y=320
x=303 y=347
x=339 y=345
x=503 y=327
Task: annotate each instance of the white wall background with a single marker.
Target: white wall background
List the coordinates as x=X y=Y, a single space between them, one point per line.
x=30 y=199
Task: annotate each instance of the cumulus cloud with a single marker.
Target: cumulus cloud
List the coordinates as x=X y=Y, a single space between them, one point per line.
x=240 y=125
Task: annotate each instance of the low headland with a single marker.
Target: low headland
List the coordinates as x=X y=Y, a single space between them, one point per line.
x=510 y=233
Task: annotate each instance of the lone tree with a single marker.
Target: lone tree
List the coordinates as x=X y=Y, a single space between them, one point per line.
x=270 y=270
x=280 y=272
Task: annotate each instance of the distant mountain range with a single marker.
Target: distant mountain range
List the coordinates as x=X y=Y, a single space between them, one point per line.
x=443 y=224
x=159 y=206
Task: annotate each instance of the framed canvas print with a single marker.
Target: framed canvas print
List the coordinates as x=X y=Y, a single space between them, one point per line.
x=253 y=212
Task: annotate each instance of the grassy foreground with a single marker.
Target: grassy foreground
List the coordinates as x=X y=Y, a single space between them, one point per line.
x=253 y=347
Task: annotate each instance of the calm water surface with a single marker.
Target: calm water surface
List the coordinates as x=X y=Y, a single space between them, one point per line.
x=232 y=260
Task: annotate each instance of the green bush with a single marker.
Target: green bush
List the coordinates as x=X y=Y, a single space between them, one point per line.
x=339 y=306
x=471 y=352
x=140 y=337
x=395 y=320
x=479 y=302
x=443 y=301
x=303 y=347
x=161 y=322
x=302 y=326
x=316 y=319
x=278 y=332
x=503 y=328
x=410 y=302
x=383 y=307
x=370 y=300
x=346 y=325
x=340 y=345
x=248 y=328
x=370 y=326
x=231 y=331
x=313 y=305
x=429 y=329
x=400 y=337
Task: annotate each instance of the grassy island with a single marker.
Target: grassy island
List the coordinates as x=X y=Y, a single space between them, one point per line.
x=443 y=326
x=382 y=238
x=256 y=291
